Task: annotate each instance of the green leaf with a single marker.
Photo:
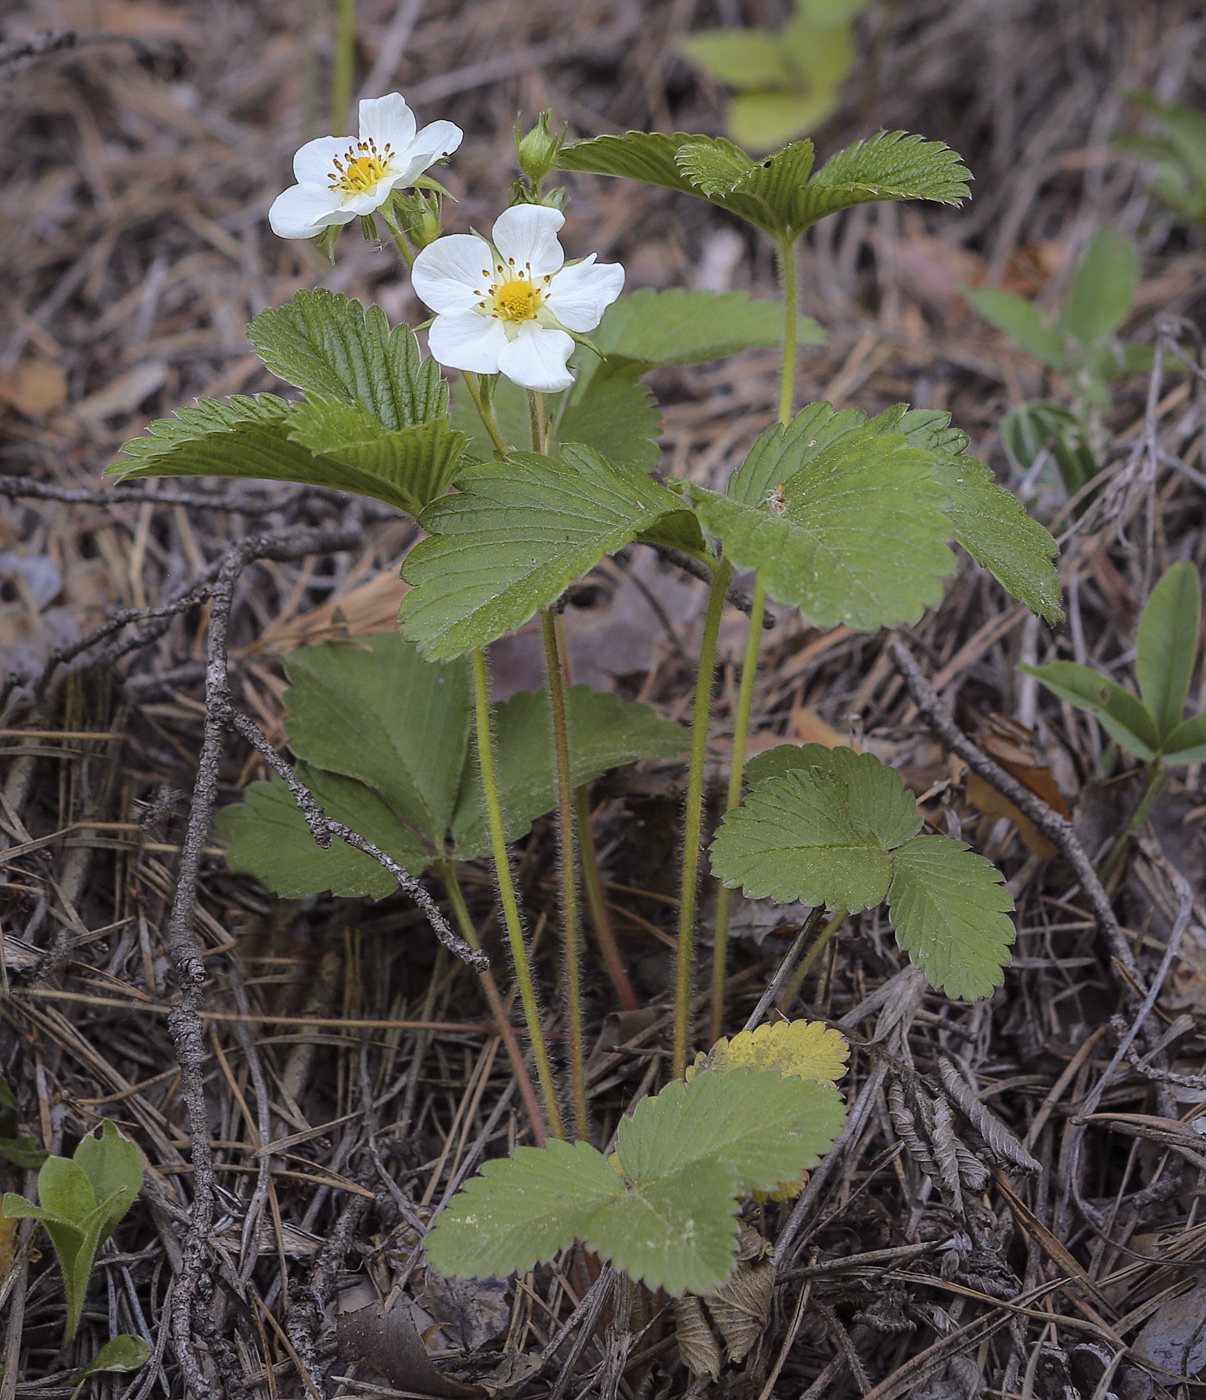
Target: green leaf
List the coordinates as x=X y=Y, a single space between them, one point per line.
x=1186 y=128
x=1168 y=646
x=24 y=1152
x=1122 y=715
x=861 y=537
x=523 y=1209
x=892 y=165
x=249 y=438
x=615 y=417
x=418 y=463
x=1022 y=320
x=772 y=194
x=64 y=1190
x=1103 y=290
x=670 y=1219
x=761 y=121
x=1032 y=428
x=513 y=541
x=1187 y=743
x=989 y=521
x=739 y=58
x=950 y=910
x=335 y=348
x=268 y=838
x=113 y=1166
x=6 y=1095
x=121 y=1353
x=379 y=712
x=605 y=732
x=678 y=327
x=819 y=834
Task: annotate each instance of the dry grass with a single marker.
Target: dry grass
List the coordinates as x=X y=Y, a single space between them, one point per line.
x=349 y=1070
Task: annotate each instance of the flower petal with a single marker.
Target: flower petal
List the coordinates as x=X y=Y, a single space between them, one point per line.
x=314 y=163
x=526 y=234
x=536 y=359
x=387 y=120
x=437 y=139
x=467 y=340
x=452 y=273
x=579 y=295
x=304 y=213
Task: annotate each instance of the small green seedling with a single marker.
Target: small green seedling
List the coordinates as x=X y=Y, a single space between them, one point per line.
x=121 y=1353
x=1080 y=343
x=663 y=1208
x=784 y=84
x=1150 y=725
x=1179 y=154
x=81 y=1199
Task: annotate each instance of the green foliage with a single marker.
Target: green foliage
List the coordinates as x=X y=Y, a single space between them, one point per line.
x=1179 y=154
x=385 y=747
x=1152 y=728
x=1033 y=428
x=787 y=83
x=989 y=522
x=831 y=827
x=120 y=1353
x=376 y=423
x=859 y=535
x=81 y=1199
x=778 y=194
x=1080 y=340
x=665 y=1212
x=512 y=541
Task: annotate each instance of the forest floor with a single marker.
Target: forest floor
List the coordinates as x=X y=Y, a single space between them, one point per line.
x=349 y=1070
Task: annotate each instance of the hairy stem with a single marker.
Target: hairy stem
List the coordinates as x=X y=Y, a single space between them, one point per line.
x=485 y=411
x=741 y=735
x=446 y=870
x=568 y=869
x=345 y=61
x=791 y=329
x=693 y=817
x=538 y=421
x=506 y=892
x=599 y=917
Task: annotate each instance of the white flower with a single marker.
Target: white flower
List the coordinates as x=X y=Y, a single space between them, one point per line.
x=507 y=308
x=340 y=178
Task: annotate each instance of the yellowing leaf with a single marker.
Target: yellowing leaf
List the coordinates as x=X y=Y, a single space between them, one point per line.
x=808 y=1049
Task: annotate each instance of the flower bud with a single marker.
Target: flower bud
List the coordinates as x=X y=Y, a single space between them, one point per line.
x=420 y=217
x=538 y=150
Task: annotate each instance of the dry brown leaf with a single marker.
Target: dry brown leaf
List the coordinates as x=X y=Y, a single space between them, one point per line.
x=1015 y=748
x=34 y=388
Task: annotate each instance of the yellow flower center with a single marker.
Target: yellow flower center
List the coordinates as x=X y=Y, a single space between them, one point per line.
x=517 y=300
x=365 y=167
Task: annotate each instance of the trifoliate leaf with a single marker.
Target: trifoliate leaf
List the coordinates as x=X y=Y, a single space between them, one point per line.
x=950 y=909
x=808 y=1049
x=268 y=838
x=773 y=194
x=419 y=462
x=670 y=1219
x=678 y=327
x=605 y=732
x=989 y=521
x=856 y=530
x=249 y=438
x=521 y=1210
x=739 y=58
x=1122 y=715
x=820 y=835
x=1168 y=644
x=378 y=712
x=335 y=348
x=513 y=541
